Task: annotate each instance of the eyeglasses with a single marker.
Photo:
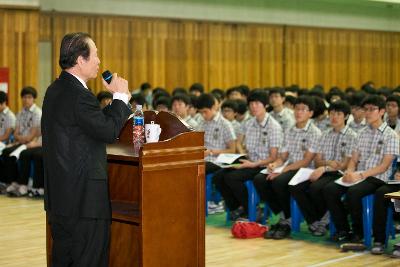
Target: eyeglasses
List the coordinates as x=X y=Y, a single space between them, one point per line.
x=370 y=109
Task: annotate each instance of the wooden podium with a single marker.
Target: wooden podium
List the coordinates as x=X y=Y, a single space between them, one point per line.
x=157 y=197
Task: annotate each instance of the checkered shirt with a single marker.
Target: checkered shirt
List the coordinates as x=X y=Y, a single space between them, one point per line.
x=373 y=144
x=192 y=122
x=7 y=120
x=285 y=118
x=357 y=127
x=237 y=127
x=218 y=133
x=323 y=125
x=298 y=141
x=259 y=138
x=28 y=118
x=336 y=145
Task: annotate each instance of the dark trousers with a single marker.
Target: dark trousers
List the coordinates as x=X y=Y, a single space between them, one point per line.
x=211 y=167
x=333 y=196
x=309 y=196
x=275 y=192
x=381 y=205
x=25 y=159
x=230 y=182
x=79 y=242
x=8 y=168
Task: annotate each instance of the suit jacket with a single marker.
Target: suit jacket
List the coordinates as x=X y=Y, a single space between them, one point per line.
x=75 y=132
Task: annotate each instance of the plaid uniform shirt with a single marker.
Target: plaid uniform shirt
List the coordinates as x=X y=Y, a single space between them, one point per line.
x=285 y=118
x=324 y=124
x=298 y=141
x=28 y=118
x=218 y=133
x=357 y=127
x=237 y=127
x=259 y=138
x=7 y=120
x=336 y=145
x=192 y=122
x=373 y=145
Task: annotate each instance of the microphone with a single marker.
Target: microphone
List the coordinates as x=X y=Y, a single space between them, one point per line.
x=107 y=76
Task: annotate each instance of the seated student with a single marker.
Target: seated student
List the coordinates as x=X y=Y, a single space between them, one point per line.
x=162 y=103
x=370 y=166
x=219 y=92
x=321 y=118
x=235 y=93
x=27 y=129
x=281 y=114
x=357 y=119
x=34 y=154
x=392 y=112
x=193 y=109
x=289 y=102
x=219 y=136
x=7 y=126
x=273 y=188
x=262 y=136
x=229 y=111
x=196 y=89
x=381 y=205
x=180 y=106
x=7 y=119
x=138 y=99
x=179 y=91
x=333 y=152
x=242 y=115
x=104 y=98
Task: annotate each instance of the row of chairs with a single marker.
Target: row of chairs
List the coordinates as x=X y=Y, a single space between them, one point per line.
x=297 y=217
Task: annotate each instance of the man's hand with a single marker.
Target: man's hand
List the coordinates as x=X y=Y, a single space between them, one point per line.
x=117 y=85
x=351 y=177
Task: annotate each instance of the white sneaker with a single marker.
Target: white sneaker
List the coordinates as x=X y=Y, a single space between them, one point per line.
x=12 y=187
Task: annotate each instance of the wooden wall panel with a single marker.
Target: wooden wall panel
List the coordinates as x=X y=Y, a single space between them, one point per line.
x=19 y=50
x=341 y=57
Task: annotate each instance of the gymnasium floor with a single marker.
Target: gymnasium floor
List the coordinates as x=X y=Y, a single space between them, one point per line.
x=22 y=244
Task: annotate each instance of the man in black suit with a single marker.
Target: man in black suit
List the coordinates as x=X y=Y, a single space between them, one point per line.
x=75 y=132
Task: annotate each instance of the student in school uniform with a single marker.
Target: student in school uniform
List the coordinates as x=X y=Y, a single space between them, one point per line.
x=369 y=168
x=280 y=113
x=392 y=112
x=262 y=136
x=219 y=136
x=273 y=188
x=229 y=110
x=27 y=130
x=180 y=106
x=357 y=120
x=7 y=119
x=333 y=152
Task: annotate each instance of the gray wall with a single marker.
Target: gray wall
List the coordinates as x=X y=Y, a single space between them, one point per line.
x=353 y=14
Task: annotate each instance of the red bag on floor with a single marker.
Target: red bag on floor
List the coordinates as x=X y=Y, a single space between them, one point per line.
x=248 y=230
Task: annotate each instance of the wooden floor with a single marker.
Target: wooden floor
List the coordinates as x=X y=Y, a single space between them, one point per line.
x=22 y=243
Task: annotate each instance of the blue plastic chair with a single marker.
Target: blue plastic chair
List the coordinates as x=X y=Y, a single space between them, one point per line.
x=297 y=216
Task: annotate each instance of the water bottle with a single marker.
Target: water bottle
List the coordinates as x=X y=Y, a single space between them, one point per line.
x=138 y=127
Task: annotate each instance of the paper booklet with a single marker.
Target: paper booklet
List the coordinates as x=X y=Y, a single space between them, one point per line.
x=18 y=151
x=302 y=175
x=393 y=182
x=227 y=158
x=340 y=182
x=276 y=170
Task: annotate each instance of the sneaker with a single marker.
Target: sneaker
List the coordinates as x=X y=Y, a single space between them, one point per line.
x=313 y=227
x=356 y=238
x=12 y=187
x=320 y=230
x=395 y=253
x=378 y=248
x=3 y=188
x=282 y=232
x=19 y=192
x=237 y=213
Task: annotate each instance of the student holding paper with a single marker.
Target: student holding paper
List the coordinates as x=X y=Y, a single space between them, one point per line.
x=219 y=136
x=333 y=152
x=262 y=136
x=369 y=168
x=274 y=188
